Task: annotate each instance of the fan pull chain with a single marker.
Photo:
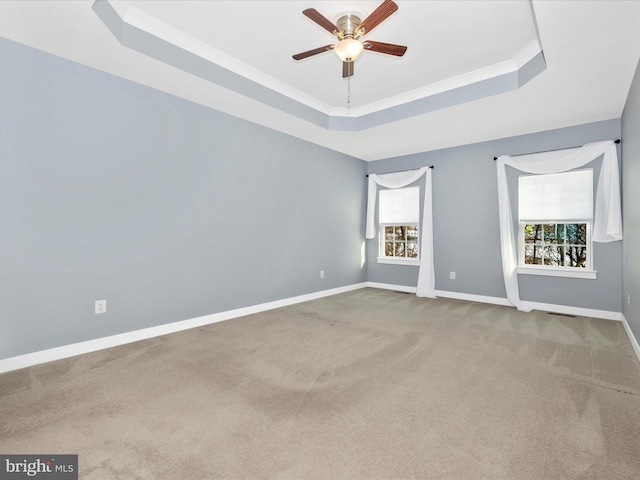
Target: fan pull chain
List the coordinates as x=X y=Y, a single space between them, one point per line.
x=348 y=94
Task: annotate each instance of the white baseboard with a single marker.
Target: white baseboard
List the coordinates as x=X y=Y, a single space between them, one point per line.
x=66 y=351
x=578 y=311
x=474 y=298
x=442 y=293
x=389 y=286
x=632 y=338
x=545 y=307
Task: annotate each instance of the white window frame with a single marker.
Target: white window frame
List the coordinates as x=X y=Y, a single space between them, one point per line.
x=382 y=258
x=556 y=271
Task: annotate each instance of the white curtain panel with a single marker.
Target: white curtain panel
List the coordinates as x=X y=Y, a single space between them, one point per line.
x=426 y=273
x=607 y=224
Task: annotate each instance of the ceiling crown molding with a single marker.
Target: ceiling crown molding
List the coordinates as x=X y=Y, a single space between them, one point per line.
x=155 y=38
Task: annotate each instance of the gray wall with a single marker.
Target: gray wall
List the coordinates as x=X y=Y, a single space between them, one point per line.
x=167 y=209
x=466 y=231
x=631 y=206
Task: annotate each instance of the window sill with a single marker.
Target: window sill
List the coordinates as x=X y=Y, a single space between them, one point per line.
x=400 y=261
x=558 y=272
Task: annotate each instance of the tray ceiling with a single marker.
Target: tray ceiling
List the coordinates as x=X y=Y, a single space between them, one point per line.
x=474 y=70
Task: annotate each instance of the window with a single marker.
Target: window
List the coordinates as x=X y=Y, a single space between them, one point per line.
x=556 y=244
x=555 y=216
x=399 y=225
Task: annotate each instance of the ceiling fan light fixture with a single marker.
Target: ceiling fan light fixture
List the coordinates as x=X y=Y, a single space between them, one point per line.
x=348 y=49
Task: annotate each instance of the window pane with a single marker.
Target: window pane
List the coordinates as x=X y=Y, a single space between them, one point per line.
x=388 y=233
x=399 y=252
x=582 y=233
x=575 y=257
x=400 y=233
x=412 y=232
x=388 y=249
x=532 y=255
x=412 y=249
x=553 y=256
x=577 y=233
x=551 y=233
x=532 y=233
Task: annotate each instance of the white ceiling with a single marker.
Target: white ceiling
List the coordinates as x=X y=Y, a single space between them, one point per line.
x=591 y=50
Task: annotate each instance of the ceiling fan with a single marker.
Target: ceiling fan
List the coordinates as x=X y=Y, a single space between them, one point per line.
x=348 y=29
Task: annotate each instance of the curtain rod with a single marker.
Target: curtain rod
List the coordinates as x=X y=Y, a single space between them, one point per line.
x=398 y=171
x=545 y=151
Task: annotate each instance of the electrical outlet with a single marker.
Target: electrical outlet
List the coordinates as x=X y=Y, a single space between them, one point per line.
x=321 y=273
x=101 y=306
x=452 y=275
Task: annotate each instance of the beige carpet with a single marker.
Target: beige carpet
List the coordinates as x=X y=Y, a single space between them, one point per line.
x=369 y=384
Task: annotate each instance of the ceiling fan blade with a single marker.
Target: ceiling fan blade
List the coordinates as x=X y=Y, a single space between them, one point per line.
x=309 y=53
x=388 y=48
x=347 y=69
x=378 y=16
x=321 y=20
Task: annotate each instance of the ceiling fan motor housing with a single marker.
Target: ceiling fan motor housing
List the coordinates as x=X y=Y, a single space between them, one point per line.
x=348 y=24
